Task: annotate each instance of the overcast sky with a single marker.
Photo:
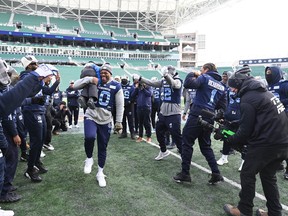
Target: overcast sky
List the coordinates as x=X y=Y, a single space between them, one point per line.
x=243 y=29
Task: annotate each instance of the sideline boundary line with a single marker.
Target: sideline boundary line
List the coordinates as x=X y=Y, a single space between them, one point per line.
x=233 y=183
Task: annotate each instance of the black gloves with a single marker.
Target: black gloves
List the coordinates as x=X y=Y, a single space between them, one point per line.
x=38 y=100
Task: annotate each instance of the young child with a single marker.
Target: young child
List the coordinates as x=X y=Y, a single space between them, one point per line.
x=88 y=95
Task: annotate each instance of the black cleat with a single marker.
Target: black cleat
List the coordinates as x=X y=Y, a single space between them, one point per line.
x=215 y=178
x=13 y=188
x=33 y=175
x=181 y=177
x=133 y=136
x=123 y=135
x=261 y=212
x=23 y=157
x=40 y=168
x=10 y=197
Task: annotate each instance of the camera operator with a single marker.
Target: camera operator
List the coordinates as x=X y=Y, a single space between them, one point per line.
x=60 y=118
x=211 y=96
x=263 y=126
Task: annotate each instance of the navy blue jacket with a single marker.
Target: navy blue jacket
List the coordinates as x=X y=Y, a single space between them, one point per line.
x=143 y=96
x=72 y=96
x=210 y=94
x=45 y=91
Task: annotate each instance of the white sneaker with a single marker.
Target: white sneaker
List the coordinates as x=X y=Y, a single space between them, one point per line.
x=48 y=147
x=70 y=126
x=88 y=165
x=76 y=126
x=6 y=212
x=162 y=155
x=42 y=154
x=222 y=161
x=101 y=179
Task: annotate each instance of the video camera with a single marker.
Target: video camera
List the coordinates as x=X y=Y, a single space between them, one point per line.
x=223 y=129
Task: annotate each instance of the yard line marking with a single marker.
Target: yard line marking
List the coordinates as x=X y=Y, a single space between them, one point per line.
x=233 y=183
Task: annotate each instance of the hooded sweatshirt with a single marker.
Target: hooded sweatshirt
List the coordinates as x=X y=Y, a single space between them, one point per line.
x=210 y=94
x=277 y=85
x=263 y=120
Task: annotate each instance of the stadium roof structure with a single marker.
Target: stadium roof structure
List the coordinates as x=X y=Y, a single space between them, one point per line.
x=154 y=15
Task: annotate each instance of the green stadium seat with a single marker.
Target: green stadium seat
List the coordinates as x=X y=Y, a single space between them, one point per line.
x=30 y=20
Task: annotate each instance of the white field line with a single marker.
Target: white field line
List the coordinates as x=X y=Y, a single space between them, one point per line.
x=233 y=183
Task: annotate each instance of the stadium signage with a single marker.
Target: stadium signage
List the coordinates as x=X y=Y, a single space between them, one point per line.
x=53 y=36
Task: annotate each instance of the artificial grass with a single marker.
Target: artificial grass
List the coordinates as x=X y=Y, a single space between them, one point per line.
x=136 y=183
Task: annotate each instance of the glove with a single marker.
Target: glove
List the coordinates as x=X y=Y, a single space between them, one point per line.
x=118 y=126
x=45 y=70
x=38 y=100
x=218 y=135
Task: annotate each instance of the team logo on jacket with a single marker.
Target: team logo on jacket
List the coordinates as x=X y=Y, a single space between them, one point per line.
x=280 y=107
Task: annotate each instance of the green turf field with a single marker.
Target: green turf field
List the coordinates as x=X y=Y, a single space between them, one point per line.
x=136 y=184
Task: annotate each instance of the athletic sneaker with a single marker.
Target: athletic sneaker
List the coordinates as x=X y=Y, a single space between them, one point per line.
x=181 y=177
x=76 y=126
x=88 y=165
x=42 y=154
x=222 y=161
x=10 y=197
x=162 y=155
x=101 y=179
x=148 y=139
x=23 y=157
x=6 y=212
x=33 y=175
x=139 y=139
x=261 y=212
x=48 y=147
x=215 y=178
x=40 y=168
x=70 y=127
x=232 y=210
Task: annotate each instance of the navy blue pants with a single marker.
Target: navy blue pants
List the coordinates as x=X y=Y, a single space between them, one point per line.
x=11 y=162
x=192 y=131
x=173 y=125
x=2 y=171
x=36 y=126
x=129 y=115
x=144 y=120
x=136 y=124
x=75 y=113
x=91 y=130
x=154 y=111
